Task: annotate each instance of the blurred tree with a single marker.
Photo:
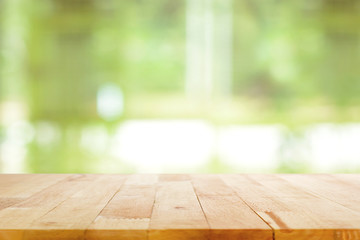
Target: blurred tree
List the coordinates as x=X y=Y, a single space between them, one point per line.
x=1 y=47
x=62 y=80
x=306 y=50
x=341 y=71
x=60 y=64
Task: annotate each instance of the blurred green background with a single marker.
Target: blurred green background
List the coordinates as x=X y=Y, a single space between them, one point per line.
x=179 y=86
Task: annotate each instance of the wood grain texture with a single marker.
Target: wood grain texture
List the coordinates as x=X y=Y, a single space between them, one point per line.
x=36 y=202
x=177 y=213
x=228 y=215
x=127 y=216
x=84 y=206
x=293 y=212
x=179 y=206
x=327 y=186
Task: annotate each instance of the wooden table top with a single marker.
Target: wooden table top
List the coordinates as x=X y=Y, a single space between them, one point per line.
x=157 y=207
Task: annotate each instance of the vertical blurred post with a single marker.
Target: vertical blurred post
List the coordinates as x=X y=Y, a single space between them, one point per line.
x=1 y=60
x=194 y=46
x=223 y=47
x=12 y=85
x=1 y=80
x=342 y=58
x=208 y=49
x=61 y=65
x=12 y=51
x=63 y=80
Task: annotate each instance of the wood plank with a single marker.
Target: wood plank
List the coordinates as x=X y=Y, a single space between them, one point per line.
x=142 y=179
x=127 y=216
x=19 y=217
x=349 y=179
x=7 y=202
x=25 y=185
x=84 y=206
x=209 y=184
x=292 y=212
x=228 y=216
x=16 y=188
x=177 y=213
x=328 y=187
x=9 y=180
x=173 y=177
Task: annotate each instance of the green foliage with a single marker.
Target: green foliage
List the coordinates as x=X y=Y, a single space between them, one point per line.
x=293 y=62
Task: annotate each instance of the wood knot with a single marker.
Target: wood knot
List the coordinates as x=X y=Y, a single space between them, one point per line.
x=177 y=207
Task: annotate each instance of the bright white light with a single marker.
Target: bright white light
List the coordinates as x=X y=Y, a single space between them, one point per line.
x=110 y=102
x=12 y=111
x=250 y=147
x=335 y=146
x=12 y=157
x=20 y=133
x=13 y=149
x=161 y=145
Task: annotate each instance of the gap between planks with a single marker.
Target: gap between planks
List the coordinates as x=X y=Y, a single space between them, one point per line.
x=281 y=200
x=162 y=178
x=226 y=211
x=278 y=192
x=40 y=206
x=86 y=229
x=269 y=225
